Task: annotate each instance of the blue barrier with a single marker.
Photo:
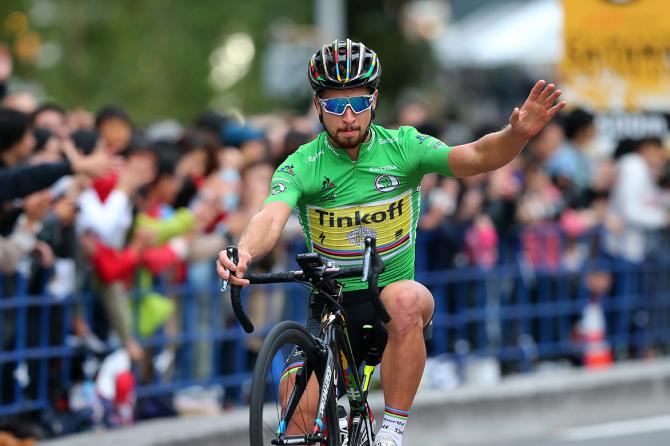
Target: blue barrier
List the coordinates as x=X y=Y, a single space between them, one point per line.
x=516 y=314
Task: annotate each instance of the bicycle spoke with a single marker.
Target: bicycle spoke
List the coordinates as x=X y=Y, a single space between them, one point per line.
x=302 y=415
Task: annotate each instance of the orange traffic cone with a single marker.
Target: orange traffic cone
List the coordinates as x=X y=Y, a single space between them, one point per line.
x=597 y=353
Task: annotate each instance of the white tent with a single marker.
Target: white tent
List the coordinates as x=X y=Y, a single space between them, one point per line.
x=518 y=33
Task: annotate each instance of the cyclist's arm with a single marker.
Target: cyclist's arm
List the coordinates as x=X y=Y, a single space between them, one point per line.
x=260 y=236
x=263 y=231
x=499 y=148
x=488 y=153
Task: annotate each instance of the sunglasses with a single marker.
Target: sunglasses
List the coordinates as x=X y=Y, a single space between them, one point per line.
x=337 y=106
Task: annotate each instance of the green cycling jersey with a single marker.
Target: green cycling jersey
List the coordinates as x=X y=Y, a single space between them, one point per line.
x=340 y=201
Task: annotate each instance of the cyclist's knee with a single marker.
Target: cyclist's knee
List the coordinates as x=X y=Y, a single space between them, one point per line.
x=404 y=306
x=407 y=297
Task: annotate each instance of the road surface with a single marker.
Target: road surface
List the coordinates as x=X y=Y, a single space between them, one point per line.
x=640 y=432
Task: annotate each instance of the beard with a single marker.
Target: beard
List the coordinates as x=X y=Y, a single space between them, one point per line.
x=347 y=142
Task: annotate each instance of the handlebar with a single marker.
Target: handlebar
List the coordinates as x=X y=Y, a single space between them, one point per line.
x=372 y=267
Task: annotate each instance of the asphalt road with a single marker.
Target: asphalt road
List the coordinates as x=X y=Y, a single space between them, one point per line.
x=641 y=432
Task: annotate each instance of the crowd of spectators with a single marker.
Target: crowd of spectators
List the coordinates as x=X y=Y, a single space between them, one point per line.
x=560 y=188
x=90 y=199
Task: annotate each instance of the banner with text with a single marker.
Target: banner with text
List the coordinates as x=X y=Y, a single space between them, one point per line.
x=617 y=54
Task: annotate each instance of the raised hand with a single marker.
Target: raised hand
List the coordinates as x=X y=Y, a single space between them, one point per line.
x=537 y=111
x=97 y=164
x=139 y=169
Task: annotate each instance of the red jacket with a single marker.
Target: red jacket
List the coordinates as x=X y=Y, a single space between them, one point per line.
x=113 y=265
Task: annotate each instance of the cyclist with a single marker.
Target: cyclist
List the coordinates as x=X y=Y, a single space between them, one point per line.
x=359 y=179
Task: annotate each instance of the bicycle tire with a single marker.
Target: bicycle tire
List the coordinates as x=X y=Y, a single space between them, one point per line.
x=286 y=333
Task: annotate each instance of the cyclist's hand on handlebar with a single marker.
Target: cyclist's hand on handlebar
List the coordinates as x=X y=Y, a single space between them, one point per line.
x=224 y=266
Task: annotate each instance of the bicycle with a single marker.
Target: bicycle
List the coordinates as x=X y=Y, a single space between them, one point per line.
x=328 y=356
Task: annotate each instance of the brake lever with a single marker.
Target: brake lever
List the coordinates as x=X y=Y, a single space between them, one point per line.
x=371 y=271
x=235 y=297
x=367 y=254
x=234 y=257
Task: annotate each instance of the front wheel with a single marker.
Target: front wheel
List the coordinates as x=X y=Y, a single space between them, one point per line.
x=285 y=391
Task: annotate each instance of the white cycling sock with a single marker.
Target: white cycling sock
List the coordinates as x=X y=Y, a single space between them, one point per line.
x=393 y=424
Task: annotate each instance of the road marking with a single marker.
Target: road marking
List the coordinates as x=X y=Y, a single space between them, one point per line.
x=616 y=429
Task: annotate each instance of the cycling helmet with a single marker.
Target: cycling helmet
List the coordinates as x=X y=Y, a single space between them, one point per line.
x=342 y=65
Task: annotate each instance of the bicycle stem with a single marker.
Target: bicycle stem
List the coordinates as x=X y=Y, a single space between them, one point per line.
x=373 y=266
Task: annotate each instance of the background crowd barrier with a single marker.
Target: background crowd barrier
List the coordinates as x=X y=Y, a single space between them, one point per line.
x=515 y=313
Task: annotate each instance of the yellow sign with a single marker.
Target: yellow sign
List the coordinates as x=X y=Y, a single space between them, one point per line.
x=338 y=233
x=616 y=54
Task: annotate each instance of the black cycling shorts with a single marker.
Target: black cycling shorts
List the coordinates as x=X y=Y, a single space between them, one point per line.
x=359 y=311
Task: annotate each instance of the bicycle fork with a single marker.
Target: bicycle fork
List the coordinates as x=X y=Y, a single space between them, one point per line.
x=318 y=435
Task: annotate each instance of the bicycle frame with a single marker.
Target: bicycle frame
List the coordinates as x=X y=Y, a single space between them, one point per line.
x=356 y=386
x=334 y=340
